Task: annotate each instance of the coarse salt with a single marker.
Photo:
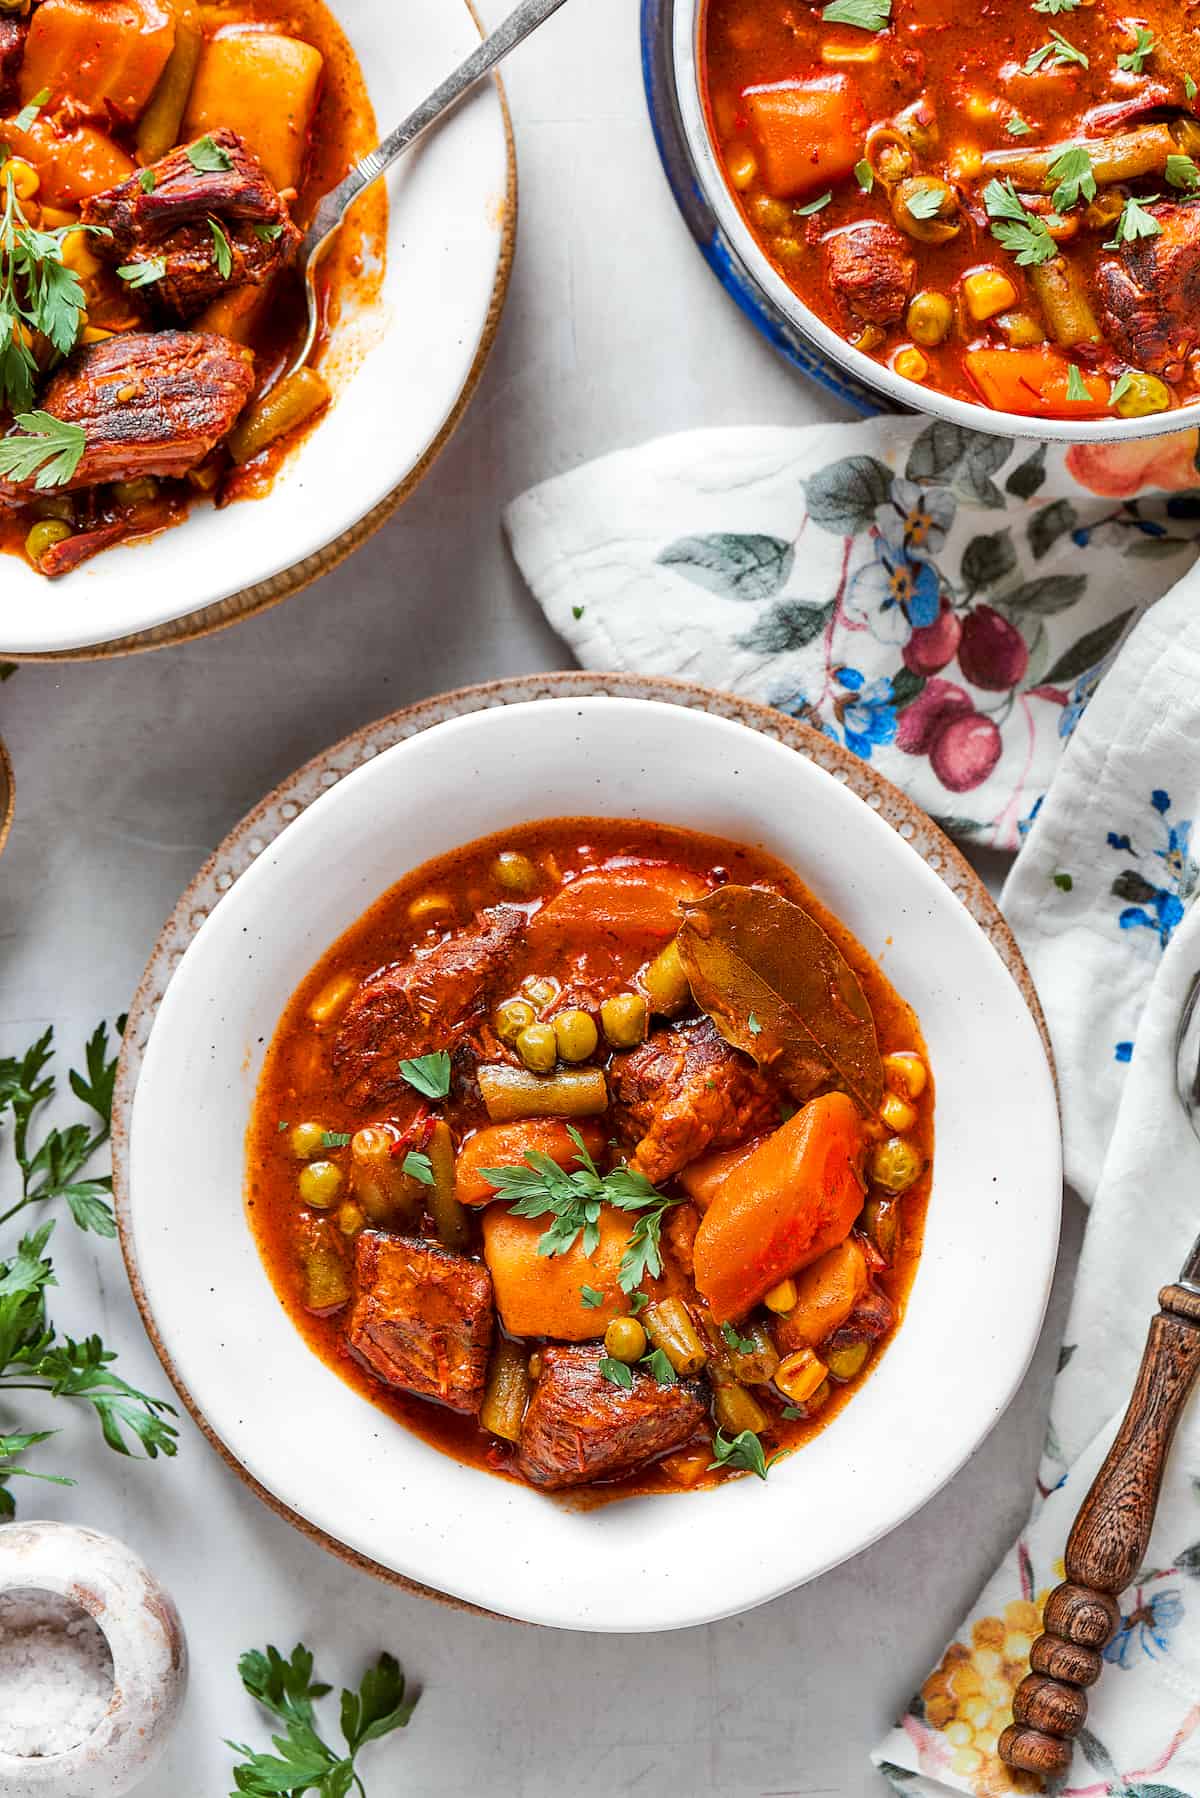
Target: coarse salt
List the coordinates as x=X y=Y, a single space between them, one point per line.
x=56 y=1673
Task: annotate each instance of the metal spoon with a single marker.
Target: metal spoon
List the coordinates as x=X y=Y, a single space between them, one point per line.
x=1111 y=1533
x=329 y=215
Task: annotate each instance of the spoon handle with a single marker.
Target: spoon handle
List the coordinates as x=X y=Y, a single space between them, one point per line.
x=1106 y=1547
x=514 y=30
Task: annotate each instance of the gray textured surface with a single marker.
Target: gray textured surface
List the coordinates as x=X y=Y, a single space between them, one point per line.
x=130 y=772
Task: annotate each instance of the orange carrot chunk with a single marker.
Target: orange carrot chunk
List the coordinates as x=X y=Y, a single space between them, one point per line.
x=98 y=53
x=506 y=1145
x=639 y=905
x=1033 y=382
x=795 y=1197
x=547 y=1295
x=809 y=133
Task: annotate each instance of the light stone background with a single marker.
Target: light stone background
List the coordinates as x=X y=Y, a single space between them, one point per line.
x=130 y=772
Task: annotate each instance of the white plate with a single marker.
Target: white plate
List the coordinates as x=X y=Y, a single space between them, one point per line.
x=446 y=241
x=329 y=1455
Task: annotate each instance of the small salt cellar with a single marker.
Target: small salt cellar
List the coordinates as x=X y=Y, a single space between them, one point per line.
x=93 y=1664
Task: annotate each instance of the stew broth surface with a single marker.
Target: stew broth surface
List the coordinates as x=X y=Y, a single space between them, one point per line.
x=298 y=1083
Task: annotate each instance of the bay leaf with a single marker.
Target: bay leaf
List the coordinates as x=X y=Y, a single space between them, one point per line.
x=777 y=987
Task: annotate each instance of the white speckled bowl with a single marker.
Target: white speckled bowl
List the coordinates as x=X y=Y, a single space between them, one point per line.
x=335 y=1462
x=410 y=368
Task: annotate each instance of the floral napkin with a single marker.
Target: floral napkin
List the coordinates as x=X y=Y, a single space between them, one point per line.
x=947 y=604
x=941 y=601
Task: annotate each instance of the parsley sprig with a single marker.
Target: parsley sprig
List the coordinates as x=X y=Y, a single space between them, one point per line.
x=1058 y=53
x=538 y=1187
x=867 y=15
x=743 y=1453
x=38 y=293
x=1134 y=61
x=303 y=1761
x=428 y=1075
x=1074 y=178
x=43 y=449
x=49 y=1171
x=1134 y=222
x=1026 y=234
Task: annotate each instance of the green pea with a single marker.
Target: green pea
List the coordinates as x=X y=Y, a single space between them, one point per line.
x=625 y=1340
x=576 y=1035
x=537 y=1046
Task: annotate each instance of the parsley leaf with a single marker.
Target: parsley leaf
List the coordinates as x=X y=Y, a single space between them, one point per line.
x=924 y=202
x=743 y=1453
x=1018 y=127
x=1025 y=234
x=1189 y=87
x=428 y=1074
x=268 y=233
x=418 y=1167
x=864 y=174
x=147 y=180
x=49 y=1171
x=1120 y=387
x=303 y=1761
x=334 y=1139
x=791 y=1412
x=1183 y=173
x=143 y=274
x=658 y=1365
x=590 y=1297
x=814 y=205
x=1135 y=60
x=47 y=448
x=616 y=1372
x=208 y=158
x=1077 y=391
x=222 y=249
x=1075 y=178
x=1058 y=52
x=867 y=15
x=1133 y=223
x=741 y=1345
x=28 y=114
x=38 y=293
x=1056 y=6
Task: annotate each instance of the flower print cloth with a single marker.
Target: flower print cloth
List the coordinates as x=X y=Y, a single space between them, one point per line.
x=941 y=601
x=946 y=605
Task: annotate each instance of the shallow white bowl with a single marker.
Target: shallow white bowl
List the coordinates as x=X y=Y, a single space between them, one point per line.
x=411 y=359
x=333 y=1458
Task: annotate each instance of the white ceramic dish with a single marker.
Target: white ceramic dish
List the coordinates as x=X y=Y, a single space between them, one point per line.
x=411 y=362
x=330 y=1456
x=686 y=22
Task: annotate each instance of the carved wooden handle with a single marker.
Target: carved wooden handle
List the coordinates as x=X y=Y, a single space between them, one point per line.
x=1106 y=1547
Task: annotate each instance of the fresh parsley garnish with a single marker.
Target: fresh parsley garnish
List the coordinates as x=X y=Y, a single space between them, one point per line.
x=418 y=1167
x=1189 y=87
x=222 y=249
x=303 y=1761
x=1077 y=391
x=50 y=1171
x=1018 y=127
x=538 y=1187
x=616 y=1372
x=1025 y=234
x=741 y=1345
x=638 y=1302
x=334 y=1139
x=282 y=1126
x=147 y=180
x=1120 y=387
x=428 y=1074
x=38 y=294
x=743 y=1452
x=924 y=202
x=753 y=1025
x=1074 y=177
x=814 y=205
x=864 y=174
x=267 y=233
x=791 y=1412
x=657 y=1364
x=45 y=449
x=589 y=1296
x=1133 y=223
x=1058 y=52
x=208 y=158
x=1182 y=172
x=1056 y=6
x=143 y=274
x=1135 y=60
x=28 y=114
x=867 y=15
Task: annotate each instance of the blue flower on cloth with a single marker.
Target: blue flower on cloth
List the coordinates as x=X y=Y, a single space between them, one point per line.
x=1157 y=904
x=869 y=718
x=899 y=589
x=1082 y=694
x=1146 y=1627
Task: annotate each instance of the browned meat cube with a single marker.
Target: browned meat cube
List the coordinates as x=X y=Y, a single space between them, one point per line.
x=429 y=1002
x=869 y=273
x=171 y=224
x=685 y=1091
x=580 y=1427
x=12 y=49
x=423 y=1319
x=154 y=403
x=1150 y=294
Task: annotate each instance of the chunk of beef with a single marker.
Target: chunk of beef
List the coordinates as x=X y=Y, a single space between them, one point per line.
x=429 y=1002
x=1150 y=293
x=580 y=1427
x=869 y=273
x=171 y=223
x=149 y=403
x=12 y=49
x=685 y=1091
x=423 y=1319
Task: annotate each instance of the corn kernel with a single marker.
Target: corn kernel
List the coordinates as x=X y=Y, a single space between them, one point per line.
x=77 y=254
x=799 y=1375
x=350 y=1219
x=835 y=55
x=332 y=1000
x=987 y=292
x=429 y=907
x=906 y=1074
x=93 y=334
x=869 y=339
x=967 y=163
x=911 y=364
x=688 y=1468
x=782 y=1297
x=24 y=177
x=979 y=106
x=897 y=1113
x=741 y=165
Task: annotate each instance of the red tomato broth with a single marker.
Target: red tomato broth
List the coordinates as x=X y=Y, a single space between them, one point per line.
x=296 y=1084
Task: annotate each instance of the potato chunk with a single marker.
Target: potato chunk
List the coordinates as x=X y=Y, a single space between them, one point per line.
x=264 y=87
x=542 y=1295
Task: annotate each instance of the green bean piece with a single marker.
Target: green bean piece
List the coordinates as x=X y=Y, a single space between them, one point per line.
x=388 y=1196
x=1064 y=302
x=735 y=1410
x=325 y=1283
x=507 y=1393
x=844 y=1363
x=669 y=1326
x=449 y=1217
x=1121 y=157
x=513 y=1093
x=289 y=404
x=756 y=1365
x=881 y=1222
x=158 y=131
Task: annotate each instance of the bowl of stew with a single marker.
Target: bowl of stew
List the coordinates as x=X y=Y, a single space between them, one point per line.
x=162 y=160
x=994 y=218
x=626 y=1177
